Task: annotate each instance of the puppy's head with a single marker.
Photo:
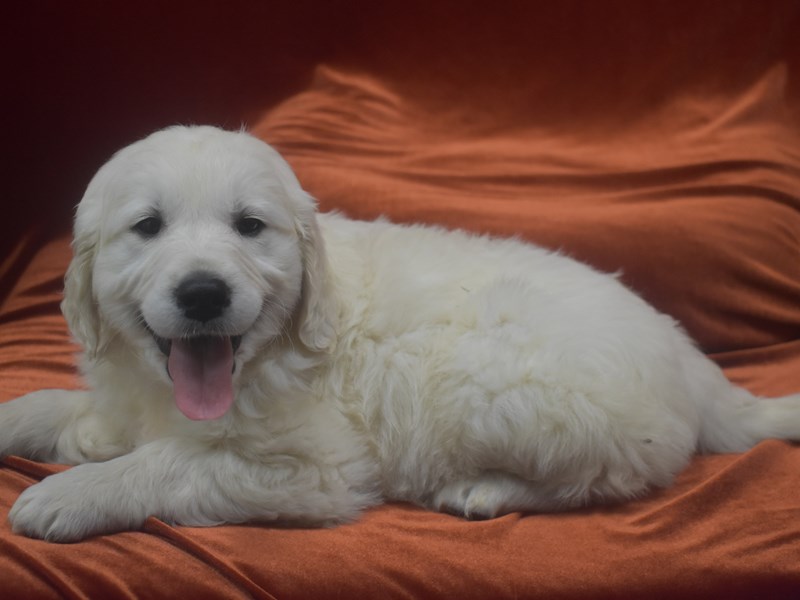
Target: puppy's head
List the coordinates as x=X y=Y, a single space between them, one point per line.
x=195 y=248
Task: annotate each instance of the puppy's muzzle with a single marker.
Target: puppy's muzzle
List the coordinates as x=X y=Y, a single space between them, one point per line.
x=202 y=296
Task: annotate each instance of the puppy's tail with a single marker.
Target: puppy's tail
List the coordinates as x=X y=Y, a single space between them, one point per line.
x=739 y=421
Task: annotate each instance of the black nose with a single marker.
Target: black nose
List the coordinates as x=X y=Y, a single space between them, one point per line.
x=202 y=297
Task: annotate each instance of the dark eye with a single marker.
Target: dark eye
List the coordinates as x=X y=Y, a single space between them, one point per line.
x=249 y=226
x=149 y=226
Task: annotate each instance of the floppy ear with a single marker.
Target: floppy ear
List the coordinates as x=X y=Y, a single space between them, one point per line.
x=317 y=311
x=78 y=306
x=316 y=314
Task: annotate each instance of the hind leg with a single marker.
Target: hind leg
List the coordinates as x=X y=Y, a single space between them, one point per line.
x=495 y=493
x=491 y=494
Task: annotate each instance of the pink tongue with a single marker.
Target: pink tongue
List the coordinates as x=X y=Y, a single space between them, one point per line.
x=201 y=371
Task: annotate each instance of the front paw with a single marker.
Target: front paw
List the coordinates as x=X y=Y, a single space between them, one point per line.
x=32 y=425
x=71 y=506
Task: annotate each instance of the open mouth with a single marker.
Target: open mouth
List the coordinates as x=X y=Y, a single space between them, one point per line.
x=165 y=345
x=201 y=369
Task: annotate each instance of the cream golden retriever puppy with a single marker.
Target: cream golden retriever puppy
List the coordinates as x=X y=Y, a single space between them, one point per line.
x=248 y=359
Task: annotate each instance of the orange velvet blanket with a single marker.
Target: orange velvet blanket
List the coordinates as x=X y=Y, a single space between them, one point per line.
x=661 y=140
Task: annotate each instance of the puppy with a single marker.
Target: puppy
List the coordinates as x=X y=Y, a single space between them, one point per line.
x=247 y=359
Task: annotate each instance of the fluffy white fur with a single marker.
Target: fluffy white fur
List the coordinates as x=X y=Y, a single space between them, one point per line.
x=377 y=362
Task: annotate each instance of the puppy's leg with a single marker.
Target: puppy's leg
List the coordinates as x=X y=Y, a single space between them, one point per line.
x=494 y=493
x=490 y=495
x=186 y=483
x=57 y=426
